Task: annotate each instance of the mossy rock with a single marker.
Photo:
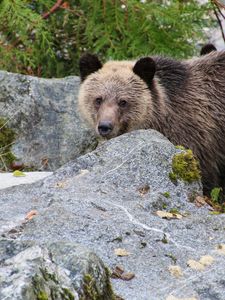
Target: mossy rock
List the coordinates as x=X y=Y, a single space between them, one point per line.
x=185 y=167
x=90 y=289
x=7 y=137
x=46 y=286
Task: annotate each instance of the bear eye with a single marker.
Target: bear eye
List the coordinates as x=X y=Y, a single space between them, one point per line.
x=122 y=103
x=98 y=101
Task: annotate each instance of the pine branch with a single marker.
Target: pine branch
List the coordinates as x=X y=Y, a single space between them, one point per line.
x=219 y=22
x=53 y=9
x=218 y=3
x=221 y=13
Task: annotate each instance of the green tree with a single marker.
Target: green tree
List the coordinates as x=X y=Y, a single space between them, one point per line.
x=116 y=29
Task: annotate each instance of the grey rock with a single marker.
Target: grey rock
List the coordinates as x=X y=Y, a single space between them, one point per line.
x=107 y=199
x=60 y=271
x=43 y=113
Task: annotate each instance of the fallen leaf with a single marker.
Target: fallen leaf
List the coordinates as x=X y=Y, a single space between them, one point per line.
x=168 y=215
x=200 y=201
x=18 y=173
x=221 y=249
x=206 y=260
x=31 y=214
x=127 y=276
x=196 y=265
x=176 y=271
x=200 y=265
x=117 y=272
x=121 y=252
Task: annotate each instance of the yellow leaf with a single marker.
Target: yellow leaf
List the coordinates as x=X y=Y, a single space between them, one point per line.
x=121 y=252
x=200 y=265
x=18 y=173
x=196 y=265
x=168 y=215
x=176 y=271
x=206 y=260
x=31 y=214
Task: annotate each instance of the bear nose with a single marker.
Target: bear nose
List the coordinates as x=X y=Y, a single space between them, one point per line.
x=105 y=127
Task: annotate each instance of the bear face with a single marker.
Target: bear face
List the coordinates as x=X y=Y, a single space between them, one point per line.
x=184 y=100
x=109 y=97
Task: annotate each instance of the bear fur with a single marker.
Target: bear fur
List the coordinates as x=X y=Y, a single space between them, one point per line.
x=184 y=100
x=206 y=49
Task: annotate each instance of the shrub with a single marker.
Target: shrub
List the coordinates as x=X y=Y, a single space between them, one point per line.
x=117 y=29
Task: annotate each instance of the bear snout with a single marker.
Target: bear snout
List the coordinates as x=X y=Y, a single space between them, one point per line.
x=105 y=128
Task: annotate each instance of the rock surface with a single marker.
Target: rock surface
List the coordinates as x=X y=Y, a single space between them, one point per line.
x=44 y=115
x=30 y=271
x=108 y=200
x=8 y=180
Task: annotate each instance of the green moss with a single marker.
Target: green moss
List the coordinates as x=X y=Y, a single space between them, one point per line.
x=108 y=288
x=67 y=295
x=38 y=286
x=172 y=176
x=174 y=211
x=46 y=286
x=49 y=276
x=42 y=296
x=180 y=147
x=217 y=200
x=216 y=194
x=164 y=205
x=214 y=212
x=185 y=167
x=7 y=137
x=166 y=194
x=90 y=289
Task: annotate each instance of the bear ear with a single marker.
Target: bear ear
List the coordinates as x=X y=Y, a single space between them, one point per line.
x=145 y=68
x=207 y=49
x=89 y=63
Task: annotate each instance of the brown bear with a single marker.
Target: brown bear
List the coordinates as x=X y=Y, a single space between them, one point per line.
x=184 y=100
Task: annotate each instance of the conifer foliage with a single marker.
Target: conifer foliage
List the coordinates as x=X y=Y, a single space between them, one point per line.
x=49 y=45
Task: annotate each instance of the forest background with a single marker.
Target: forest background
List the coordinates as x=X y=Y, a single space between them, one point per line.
x=46 y=37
